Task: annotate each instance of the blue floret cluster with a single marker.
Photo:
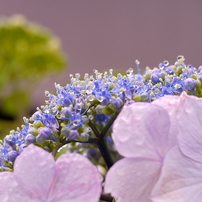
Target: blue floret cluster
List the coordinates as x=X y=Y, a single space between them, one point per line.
x=69 y=114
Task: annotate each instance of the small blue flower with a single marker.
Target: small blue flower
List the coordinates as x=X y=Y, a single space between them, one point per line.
x=45 y=133
x=12 y=155
x=49 y=120
x=189 y=84
x=155 y=77
x=116 y=102
x=73 y=134
x=101 y=118
x=29 y=139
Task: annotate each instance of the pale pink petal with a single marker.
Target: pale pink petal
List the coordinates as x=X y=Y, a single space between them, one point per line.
x=190 y=128
x=172 y=104
x=11 y=191
x=34 y=170
x=169 y=102
x=142 y=130
x=77 y=180
x=132 y=179
x=180 y=179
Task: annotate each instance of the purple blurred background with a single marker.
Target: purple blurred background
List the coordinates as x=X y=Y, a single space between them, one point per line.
x=103 y=34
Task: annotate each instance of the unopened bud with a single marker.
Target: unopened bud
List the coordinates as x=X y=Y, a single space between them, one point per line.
x=155 y=78
x=67 y=112
x=38 y=124
x=12 y=155
x=189 y=84
x=29 y=139
x=116 y=102
x=73 y=134
x=65 y=131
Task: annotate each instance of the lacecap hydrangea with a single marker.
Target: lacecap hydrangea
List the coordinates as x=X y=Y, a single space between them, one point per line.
x=83 y=111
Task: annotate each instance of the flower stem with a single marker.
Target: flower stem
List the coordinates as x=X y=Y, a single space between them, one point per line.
x=94 y=129
x=102 y=146
x=108 y=125
x=106 y=198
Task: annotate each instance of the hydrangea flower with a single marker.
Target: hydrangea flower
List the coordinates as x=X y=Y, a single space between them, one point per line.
x=143 y=133
x=80 y=116
x=38 y=178
x=93 y=102
x=181 y=177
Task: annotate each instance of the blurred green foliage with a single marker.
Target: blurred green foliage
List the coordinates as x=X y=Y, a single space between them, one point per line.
x=28 y=53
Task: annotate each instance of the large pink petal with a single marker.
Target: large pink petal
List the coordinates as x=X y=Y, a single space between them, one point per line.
x=142 y=130
x=180 y=180
x=11 y=191
x=34 y=170
x=190 y=127
x=132 y=179
x=173 y=105
x=170 y=102
x=77 y=180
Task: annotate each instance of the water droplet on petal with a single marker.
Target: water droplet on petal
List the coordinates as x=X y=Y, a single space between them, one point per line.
x=139 y=141
x=111 y=71
x=137 y=62
x=124 y=137
x=166 y=63
x=188 y=110
x=180 y=58
x=100 y=98
x=91 y=117
x=91 y=97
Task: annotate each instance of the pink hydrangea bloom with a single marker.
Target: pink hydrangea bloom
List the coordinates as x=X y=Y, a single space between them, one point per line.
x=38 y=178
x=181 y=177
x=143 y=133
